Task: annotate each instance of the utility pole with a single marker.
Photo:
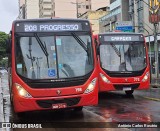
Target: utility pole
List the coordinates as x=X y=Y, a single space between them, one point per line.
x=149 y=42
x=76 y=3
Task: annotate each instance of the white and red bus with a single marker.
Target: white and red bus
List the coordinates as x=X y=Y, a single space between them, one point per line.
x=123 y=62
x=52 y=65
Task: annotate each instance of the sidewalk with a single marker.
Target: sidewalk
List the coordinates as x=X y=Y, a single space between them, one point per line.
x=1 y=102
x=155 y=82
x=151 y=93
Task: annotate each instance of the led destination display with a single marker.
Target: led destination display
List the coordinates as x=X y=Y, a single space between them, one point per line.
x=122 y=38
x=51 y=26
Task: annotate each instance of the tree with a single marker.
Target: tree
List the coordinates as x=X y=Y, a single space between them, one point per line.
x=3 y=37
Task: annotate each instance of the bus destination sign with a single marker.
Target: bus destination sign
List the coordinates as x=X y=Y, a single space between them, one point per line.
x=48 y=27
x=124 y=38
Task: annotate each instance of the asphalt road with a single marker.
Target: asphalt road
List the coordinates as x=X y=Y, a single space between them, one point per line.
x=112 y=107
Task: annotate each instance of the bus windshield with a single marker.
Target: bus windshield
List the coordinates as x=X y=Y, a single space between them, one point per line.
x=54 y=57
x=123 y=56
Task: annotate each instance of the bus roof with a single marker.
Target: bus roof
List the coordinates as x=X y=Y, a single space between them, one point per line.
x=50 y=20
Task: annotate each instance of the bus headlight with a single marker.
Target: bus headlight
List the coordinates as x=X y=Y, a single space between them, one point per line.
x=91 y=86
x=145 y=78
x=104 y=78
x=22 y=92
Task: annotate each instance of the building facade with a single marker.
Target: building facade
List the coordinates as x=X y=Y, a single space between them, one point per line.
x=58 y=8
x=21 y=9
x=31 y=9
x=93 y=17
x=118 y=12
x=65 y=8
x=46 y=8
x=83 y=6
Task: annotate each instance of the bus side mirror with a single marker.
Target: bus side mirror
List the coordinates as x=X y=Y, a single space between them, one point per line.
x=8 y=46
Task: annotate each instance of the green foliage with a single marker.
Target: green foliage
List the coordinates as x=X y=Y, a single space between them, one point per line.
x=3 y=37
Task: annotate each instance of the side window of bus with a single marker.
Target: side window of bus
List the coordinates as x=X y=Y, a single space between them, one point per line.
x=21 y=68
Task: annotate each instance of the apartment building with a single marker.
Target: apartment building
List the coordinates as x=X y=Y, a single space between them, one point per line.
x=118 y=12
x=21 y=2
x=31 y=9
x=93 y=17
x=21 y=9
x=58 y=8
x=46 y=8
x=65 y=8
x=83 y=6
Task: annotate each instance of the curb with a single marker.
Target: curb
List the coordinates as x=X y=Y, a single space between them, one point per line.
x=155 y=85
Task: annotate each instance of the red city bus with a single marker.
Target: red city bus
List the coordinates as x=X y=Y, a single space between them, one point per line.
x=52 y=65
x=123 y=62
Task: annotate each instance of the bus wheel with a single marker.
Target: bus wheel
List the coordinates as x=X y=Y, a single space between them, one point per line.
x=76 y=109
x=129 y=92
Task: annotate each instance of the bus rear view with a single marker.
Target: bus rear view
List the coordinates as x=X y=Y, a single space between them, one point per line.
x=124 y=63
x=52 y=65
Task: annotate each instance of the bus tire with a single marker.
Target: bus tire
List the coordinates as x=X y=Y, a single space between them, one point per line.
x=128 y=93
x=77 y=109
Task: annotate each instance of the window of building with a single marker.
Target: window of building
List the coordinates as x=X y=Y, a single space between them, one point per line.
x=48 y=9
x=79 y=6
x=47 y=2
x=87 y=7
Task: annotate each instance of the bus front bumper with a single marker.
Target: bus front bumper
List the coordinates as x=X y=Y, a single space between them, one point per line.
x=31 y=104
x=123 y=86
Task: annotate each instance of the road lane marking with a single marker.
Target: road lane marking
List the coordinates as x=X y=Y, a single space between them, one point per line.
x=150 y=98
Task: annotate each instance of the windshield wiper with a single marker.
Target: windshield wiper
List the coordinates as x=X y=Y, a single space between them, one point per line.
x=43 y=47
x=84 y=46
x=80 y=41
x=115 y=49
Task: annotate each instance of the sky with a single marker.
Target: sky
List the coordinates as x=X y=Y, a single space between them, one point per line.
x=8 y=13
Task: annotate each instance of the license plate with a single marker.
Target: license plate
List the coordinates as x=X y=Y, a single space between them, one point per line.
x=59 y=106
x=127 y=88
